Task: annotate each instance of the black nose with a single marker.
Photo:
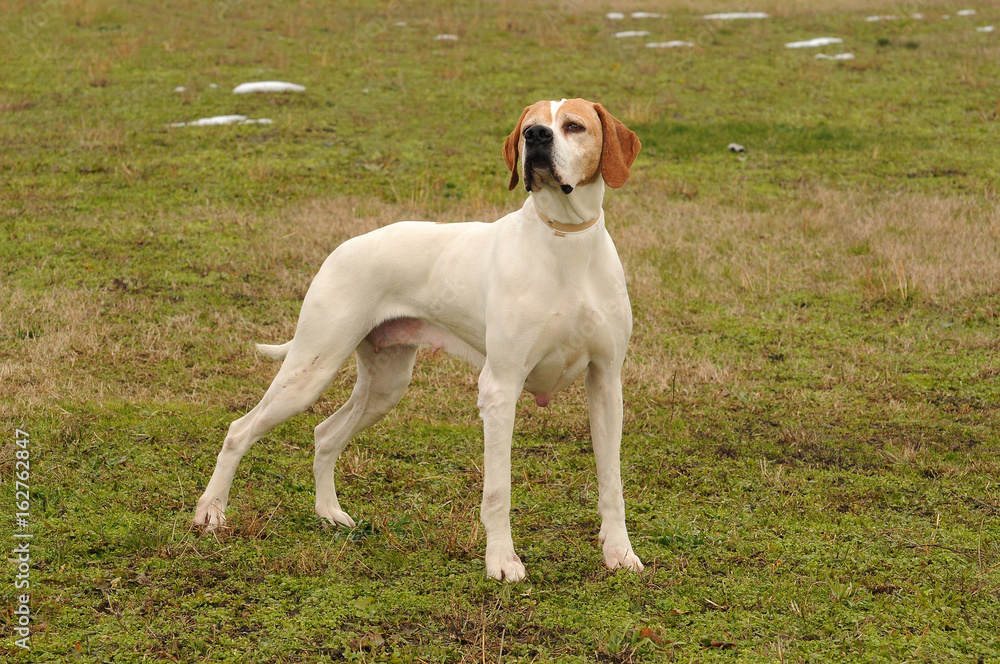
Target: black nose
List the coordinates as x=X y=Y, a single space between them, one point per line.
x=538 y=134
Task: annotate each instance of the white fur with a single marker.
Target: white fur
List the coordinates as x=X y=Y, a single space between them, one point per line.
x=533 y=309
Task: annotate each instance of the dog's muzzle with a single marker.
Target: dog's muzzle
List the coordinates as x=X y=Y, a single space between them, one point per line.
x=538 y=144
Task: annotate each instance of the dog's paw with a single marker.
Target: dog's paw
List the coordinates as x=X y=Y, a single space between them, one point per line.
x=504 y=566
x=336 y=517
x=624 y=557
x=210 y=514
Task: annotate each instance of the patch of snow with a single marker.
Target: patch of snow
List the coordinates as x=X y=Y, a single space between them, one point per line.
x=632 y=33
x=647 y=15
x=221 y=120
x=267 y=86
x=839 y=56
x=815 y=43
x=669 y=44
x=986 y=28
x=213 y=86
x=735 y=16
x=875 y=19
x=966 y=12
x=614 y=16
x=180 y=88
x=446 y=37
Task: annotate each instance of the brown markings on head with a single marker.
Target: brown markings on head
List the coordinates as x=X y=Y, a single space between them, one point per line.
x=609 y=147
x=583 y=112
x=620 y=148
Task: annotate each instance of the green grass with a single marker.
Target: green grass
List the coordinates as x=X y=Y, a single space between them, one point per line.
x=810 y=450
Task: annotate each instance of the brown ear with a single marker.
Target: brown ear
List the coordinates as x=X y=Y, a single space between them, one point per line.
x=621 y=145
x=511 y=148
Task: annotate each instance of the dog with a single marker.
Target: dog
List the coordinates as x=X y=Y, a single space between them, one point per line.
x=535 y=300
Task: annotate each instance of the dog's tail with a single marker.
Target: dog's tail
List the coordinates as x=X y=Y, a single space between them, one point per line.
x=274 y=352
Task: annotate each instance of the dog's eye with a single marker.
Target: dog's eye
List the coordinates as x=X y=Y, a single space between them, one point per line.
x=574 y=128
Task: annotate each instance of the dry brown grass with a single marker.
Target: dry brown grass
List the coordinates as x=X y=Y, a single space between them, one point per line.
x=944 y=247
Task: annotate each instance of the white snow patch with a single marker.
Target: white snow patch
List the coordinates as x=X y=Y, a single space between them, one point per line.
x=669 y=44
x=267 y=86
x=446 y=37
x=221 y=120
x=647 y=15
x=632 y=33
x=966 y=12
x=180 y=88
x=875 y=19
x=614 y=16
x=735 y=16
x=839 y=56
x=213 y=86
x=986 y=28
x=815 y=43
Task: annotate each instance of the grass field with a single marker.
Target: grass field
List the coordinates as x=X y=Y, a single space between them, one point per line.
x=811 y=454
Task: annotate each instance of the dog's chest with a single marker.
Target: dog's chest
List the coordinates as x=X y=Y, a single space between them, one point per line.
x=556 y=371
x=574 y=336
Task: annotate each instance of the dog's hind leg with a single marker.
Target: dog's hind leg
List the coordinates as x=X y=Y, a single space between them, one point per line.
x=382 y=380
x=303 y=376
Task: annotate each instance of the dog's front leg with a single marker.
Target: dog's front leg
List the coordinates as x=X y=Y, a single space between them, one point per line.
x=497 y=404
x=604 y=400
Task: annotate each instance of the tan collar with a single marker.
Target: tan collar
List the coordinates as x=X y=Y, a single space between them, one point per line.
x=561 y=229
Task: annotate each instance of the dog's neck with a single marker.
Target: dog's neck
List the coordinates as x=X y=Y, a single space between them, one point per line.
x=582 y=206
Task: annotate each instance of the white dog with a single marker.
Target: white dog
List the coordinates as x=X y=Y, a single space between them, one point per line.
x=536 y=300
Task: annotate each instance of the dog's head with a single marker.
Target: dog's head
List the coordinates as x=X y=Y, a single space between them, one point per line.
x=569 y=143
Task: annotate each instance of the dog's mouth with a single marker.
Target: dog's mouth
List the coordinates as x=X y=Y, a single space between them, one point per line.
x=539 y=171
